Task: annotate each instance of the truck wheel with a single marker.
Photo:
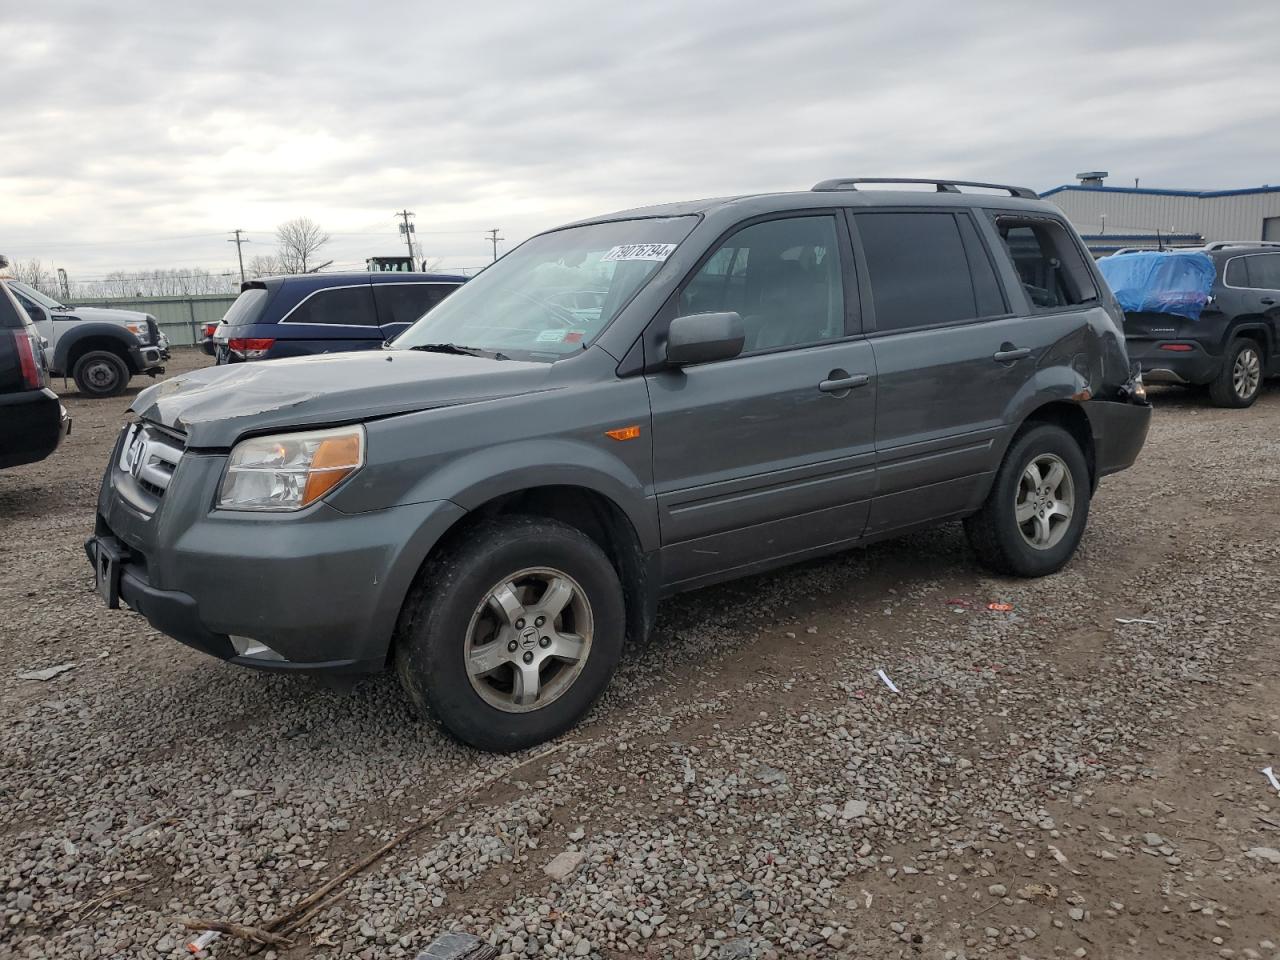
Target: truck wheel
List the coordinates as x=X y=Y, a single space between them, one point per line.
x=1240 y=379
x=508 y=638
x=1036 y=512
x=101 y=373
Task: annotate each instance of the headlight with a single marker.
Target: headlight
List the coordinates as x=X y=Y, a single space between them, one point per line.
x=288 y=471
x=140 y=331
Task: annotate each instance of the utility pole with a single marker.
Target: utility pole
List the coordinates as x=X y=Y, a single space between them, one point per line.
x=239 y=256
x=62 y=281
x=494 y=238
x=406 y=230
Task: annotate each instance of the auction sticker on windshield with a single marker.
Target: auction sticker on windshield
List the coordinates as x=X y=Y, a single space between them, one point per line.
x=639 y=251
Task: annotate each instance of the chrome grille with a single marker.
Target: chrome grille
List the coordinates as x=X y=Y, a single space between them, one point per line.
x=150 y=456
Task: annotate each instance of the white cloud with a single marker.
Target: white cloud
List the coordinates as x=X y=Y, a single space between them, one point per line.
x=138 y=122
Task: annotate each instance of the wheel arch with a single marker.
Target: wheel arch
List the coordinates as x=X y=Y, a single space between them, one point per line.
x=74 y=344
x=1071 y=417
x=588 y=510
x=1253 y=328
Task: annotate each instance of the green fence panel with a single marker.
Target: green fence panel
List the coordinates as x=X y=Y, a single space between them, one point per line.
x=181 y=318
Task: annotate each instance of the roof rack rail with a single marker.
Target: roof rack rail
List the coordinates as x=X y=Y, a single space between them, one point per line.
x=1224 y=244
x=943 y=186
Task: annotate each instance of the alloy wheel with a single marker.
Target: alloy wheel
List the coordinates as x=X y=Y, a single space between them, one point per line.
x=528 y=639
x=1045 y=501
x=1246 y=375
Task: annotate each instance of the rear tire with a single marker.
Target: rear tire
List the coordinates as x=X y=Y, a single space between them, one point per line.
x=101 y=373
x=1239 y=381
x=1035 y=514
x=487 y=640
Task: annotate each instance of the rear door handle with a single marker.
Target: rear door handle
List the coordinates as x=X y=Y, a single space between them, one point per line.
x=844 y=383
x=1003 y=356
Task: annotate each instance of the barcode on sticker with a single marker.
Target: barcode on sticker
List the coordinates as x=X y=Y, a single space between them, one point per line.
x=639 y=251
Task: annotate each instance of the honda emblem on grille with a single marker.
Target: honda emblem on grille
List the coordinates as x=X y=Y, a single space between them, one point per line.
x=136 y=456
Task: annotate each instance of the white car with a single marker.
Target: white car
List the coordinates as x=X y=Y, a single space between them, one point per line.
x=98 y=347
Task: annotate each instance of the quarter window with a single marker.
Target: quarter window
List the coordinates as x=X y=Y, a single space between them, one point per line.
x=406 y=302
x=783 y=277
x=920 y=272
x=1050 y=266
x=352 y=306
x=1237 y=274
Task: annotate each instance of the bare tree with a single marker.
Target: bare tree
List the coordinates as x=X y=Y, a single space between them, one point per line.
x=297 y=243
x=33 y=273
x=265 y=265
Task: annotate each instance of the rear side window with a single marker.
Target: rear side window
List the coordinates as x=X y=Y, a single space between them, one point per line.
x=406 y=302
x=1237 y=273
x=247 y=308
x=351 y=306
x=1050 y=266
x=920 y=272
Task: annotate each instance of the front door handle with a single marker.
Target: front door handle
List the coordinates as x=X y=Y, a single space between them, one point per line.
x=1269 y=301
x=1017 y=353
x=844 y=384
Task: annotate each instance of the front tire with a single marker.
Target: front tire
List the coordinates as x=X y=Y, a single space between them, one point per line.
x=1035 y=514
x=1239 y=381
x=510 y=636
x=100 y=374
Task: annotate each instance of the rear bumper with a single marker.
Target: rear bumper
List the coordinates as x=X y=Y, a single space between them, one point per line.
x=1193 y=366
x=1119 y=431
x=32 y=424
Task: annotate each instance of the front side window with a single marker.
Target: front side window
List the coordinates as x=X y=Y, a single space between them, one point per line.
x=352 y=306
x=783 y=277
x=919 y=269
x=1264 y=271
x=555 y=294
x=1052 y=272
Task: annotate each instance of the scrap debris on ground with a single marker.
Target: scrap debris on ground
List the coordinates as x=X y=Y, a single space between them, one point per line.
x=1045 y=782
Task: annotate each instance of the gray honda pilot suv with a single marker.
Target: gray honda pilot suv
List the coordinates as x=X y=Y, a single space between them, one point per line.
x=618 y=410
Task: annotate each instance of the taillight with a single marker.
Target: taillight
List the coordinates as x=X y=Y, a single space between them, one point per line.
x=1177 y=347
x=250 y=348
x=209 y=328
x=32 y=371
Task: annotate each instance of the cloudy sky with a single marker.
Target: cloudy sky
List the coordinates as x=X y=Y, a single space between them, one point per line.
x=139 y=134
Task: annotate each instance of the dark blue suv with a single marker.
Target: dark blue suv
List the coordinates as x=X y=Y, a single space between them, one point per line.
x=325 y=313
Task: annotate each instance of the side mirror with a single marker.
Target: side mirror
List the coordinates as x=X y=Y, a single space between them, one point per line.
x=704 y=337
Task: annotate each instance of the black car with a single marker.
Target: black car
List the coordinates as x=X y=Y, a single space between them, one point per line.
x=325 y=313
x=1232 y=347
x=32 y=421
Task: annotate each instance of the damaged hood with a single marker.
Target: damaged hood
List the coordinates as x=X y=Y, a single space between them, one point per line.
x=215 y=406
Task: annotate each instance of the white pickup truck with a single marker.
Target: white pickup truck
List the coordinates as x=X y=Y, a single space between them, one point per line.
x=100 y=348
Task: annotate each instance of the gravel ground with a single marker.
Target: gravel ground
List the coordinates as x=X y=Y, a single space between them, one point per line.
x=1047 y=782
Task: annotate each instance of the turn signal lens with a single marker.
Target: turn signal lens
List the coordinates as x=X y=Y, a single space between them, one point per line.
x=624 y=433
x=290 y=471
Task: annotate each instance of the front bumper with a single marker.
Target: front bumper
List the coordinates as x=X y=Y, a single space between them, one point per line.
x=315 y=591
x=1159 y=365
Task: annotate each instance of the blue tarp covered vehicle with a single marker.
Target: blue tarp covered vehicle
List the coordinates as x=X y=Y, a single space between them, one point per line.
x=1172 y=281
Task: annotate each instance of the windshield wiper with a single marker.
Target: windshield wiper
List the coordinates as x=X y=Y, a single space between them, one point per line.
x=460 y=350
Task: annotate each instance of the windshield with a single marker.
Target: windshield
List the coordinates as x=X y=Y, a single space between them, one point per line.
x=32 y=293
x=553 y=295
